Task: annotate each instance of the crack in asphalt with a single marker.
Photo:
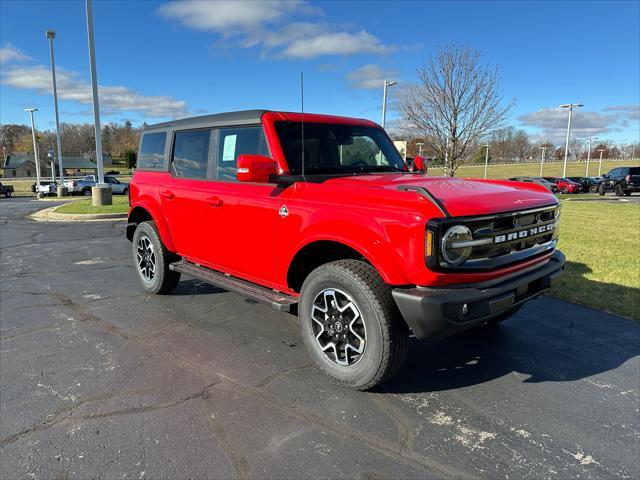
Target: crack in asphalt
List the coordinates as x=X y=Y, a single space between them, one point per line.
x=60 y=419
x=383 y=446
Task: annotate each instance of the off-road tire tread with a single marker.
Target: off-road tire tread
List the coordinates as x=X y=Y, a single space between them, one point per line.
x=395 y=333
x=170 y=278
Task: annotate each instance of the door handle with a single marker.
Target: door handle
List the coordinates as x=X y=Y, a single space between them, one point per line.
x=168 y=194
x=214 y=201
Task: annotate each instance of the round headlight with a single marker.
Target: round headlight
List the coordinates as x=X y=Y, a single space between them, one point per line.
x=455 y=255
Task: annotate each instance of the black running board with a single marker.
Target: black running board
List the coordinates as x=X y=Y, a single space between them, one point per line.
x=278 y=300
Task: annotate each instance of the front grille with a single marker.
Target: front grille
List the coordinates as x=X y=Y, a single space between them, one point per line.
x=515 y=237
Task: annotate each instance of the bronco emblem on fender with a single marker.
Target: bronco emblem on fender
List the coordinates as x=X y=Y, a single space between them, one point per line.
x=283 y=211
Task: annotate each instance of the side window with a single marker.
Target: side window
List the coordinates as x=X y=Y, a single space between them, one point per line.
x=191 y=153
x=152 y=151
x=237 y=141
x=614 y=173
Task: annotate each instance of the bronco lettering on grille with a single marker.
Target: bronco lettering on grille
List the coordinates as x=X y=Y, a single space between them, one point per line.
x=528 y=232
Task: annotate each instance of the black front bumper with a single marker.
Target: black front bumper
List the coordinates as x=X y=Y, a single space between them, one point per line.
x=438 y=312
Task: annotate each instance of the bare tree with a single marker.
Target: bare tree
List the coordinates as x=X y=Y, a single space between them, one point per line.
x=455 y=104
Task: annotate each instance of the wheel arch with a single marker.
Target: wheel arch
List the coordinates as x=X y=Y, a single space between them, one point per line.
x=144 y=212
x=319 y=251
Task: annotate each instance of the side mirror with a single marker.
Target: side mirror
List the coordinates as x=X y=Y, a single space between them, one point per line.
x=255 y=168
x=420 y=164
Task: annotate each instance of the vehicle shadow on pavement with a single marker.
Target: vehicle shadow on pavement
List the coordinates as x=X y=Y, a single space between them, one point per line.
x=195 y=287
x=575 y=286
x=536 y=345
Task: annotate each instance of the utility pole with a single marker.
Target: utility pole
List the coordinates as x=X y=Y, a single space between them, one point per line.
x=101 y=193
x=570 y=106
x=543 y=151
x=62 y=190
x=35 y=149
x=600 y=164
x=486 y=160
x=387 y=84
x=586 y=174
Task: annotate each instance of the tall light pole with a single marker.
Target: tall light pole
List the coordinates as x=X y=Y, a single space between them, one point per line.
x=387 y=84
x=570 y=106
x=543 y=151
x=419 y=144
x=62 y=191
x=486 y=160
x=101 y=192
x=600 y=164
x=586 y=174
x=35 y=149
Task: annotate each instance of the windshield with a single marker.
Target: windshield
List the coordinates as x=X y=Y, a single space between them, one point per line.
x=332 y=148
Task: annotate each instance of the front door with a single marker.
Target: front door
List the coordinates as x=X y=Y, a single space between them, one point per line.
x=241 y=217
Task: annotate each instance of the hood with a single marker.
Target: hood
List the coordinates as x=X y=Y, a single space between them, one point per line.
x=460 y=196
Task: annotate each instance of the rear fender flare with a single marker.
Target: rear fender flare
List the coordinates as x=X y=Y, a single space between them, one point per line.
x=154 y=211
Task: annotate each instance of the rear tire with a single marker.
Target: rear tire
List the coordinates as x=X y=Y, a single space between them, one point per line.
x=350 y=324
x=151 y=260
x=618 y=191
x=593 y=189
x=86 y=192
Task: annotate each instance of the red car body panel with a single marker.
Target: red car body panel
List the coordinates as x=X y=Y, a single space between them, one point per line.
x=235 y=227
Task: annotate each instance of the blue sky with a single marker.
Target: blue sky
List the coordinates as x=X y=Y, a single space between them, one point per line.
x=159 y=60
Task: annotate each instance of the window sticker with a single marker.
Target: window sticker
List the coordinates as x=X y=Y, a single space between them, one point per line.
x=229 y=152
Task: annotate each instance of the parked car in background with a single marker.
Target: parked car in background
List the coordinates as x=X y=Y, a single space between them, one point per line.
x=47 y=187
x=540 y=181
x=587 y=184
x=621 y=180
x=83 y=187
x=6 y=190
x=564 y=184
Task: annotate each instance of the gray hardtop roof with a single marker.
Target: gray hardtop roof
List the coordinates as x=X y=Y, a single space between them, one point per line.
x=244 y=117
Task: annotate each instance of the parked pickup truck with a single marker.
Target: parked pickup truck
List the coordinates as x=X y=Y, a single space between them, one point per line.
x=622 y=180
x=83 y=186
x=326 y=221
x=6 y=190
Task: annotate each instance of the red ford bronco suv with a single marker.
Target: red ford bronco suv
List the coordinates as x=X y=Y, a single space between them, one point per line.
x=318 y=215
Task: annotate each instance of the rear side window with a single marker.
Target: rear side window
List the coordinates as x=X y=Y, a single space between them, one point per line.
x=634 y=171
x=237 y=141
x=152 y=151
x=191 y=153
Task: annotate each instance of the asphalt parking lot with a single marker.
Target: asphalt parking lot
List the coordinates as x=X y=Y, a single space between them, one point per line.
x=100 y=380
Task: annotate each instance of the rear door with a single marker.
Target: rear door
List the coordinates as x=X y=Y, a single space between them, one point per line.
x=181 y=196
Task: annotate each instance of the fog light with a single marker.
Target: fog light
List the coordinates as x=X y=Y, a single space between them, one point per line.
x=465 y=309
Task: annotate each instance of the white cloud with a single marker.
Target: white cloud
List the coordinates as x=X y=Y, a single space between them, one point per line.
x=271 y=24
x=223 y=16
x=370 y=76
x=10 y=53
x=73 y=88
x=552 y=122
x=335 y=43
x=631 y=112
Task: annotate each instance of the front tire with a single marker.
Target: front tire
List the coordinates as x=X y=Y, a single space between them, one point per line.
x=350 y=324
x=601 y=190
x=618 y=191
x=151 y=260
x=564 y=190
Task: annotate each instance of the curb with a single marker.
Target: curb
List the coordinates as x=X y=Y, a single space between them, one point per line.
x=49 y=214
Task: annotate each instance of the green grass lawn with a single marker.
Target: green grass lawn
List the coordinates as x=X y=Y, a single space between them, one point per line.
x=120 y=205
x=531 y=169
x=602 y=243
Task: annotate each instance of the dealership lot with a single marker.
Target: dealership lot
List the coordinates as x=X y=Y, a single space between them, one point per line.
x=98 y=379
